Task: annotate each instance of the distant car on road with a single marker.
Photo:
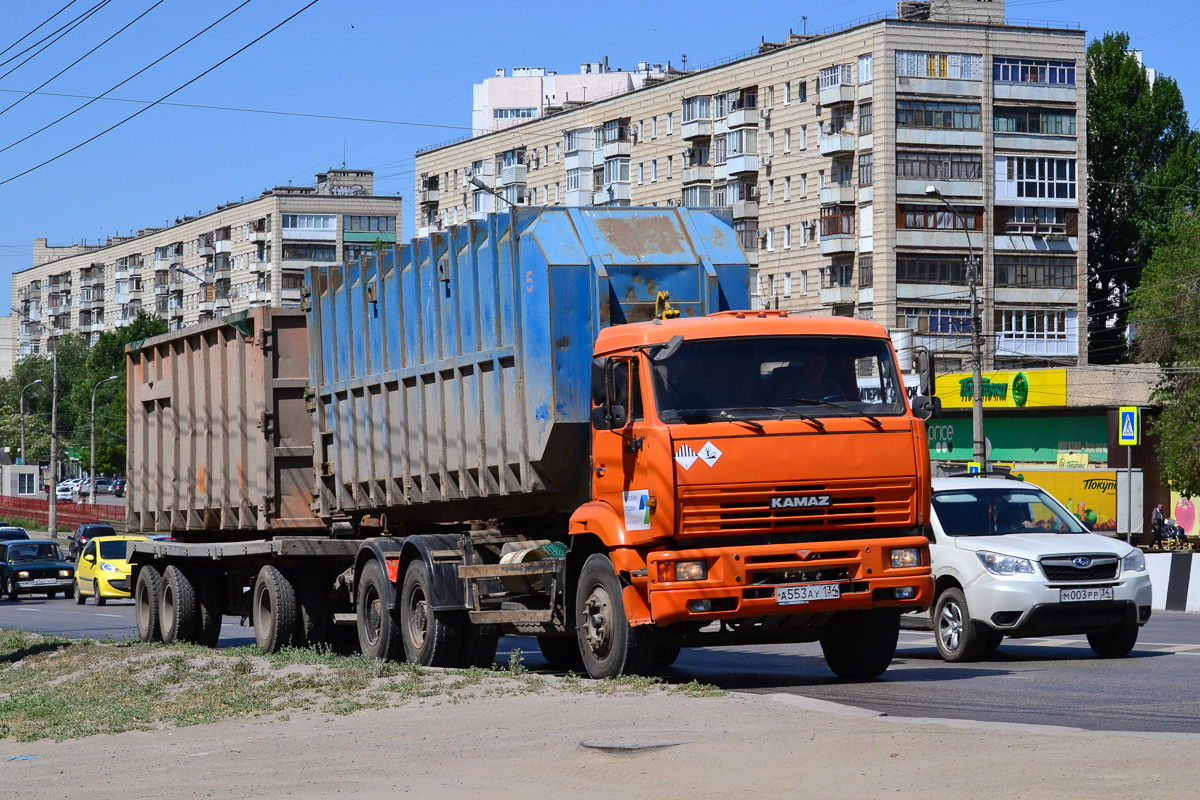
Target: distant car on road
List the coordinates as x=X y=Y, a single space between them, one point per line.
x=85 y=533
x=118 y=488
x=9 y=532
x=1010 y=560
x=103 y=572
x=63 y=492
x=103 y=486
x=33 y=567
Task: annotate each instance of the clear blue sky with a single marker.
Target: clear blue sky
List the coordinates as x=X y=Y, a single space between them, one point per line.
x=357 y=58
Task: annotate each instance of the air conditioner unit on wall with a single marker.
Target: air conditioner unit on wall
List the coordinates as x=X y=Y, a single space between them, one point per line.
x=765 y=113
x=764 y=160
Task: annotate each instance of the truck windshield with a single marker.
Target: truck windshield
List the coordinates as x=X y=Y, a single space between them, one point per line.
x=997 y=512
x=777 y=377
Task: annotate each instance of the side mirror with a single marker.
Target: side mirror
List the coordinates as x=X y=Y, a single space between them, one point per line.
x=599 y=393
x=671 y=348
x=617 y=417
x=927 y=407
x=925 y=369
x=90 y=559
x=607 y=418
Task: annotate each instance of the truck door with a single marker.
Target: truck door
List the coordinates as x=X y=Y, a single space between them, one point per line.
x=619 y=454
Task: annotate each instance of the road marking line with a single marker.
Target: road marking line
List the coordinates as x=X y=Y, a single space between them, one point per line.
x=116 y=616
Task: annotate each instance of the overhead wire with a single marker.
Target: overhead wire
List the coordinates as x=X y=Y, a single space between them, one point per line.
x=37 y=27
x=70 y=26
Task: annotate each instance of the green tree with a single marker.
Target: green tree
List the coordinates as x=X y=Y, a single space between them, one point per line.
x=1143 y=162
x=1167 y=318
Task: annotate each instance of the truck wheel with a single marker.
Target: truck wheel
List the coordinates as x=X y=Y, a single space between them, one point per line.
x=274 y=610
x=378 y=628
x=431 y=638
x=178 y=606
x=859 y=645
x=313 y=622
x=1114 y=642
x=145 y=600
x=211 y=607
x=479 y=645
x=958 y=640
x=610 y=646
x=561 y=653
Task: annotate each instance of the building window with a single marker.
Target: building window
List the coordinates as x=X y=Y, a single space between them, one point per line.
x=654 y=127
x=1036 y=177
x=353 y=253
x=1024 y=70
x=839 y=75
x=641 y=130
x=804 y=184
x=326 y=222
x=939 y=166
x=361 y=223
x=922 y=114
x=670 y=165
x=697 y=108
x=670 y=123
x=787 y=282
x=577 y=179
x=26 y=481
x=305 y=251
x=1035 y=271
x=865 y=119
x=771 y=191
x=720 y=196
x=864 y=69
x=741 y=141
x=866 y=272
x=771 y=242
x=787 y=245
x=653 y=170
x=787 y=189
x=866 y=169
x=917 y=217
x=1034 y=221
x=1033 y=120
x=934 y=320
x=1014 y=325
x=787 y=140
x=697 y=197
x=641 y=173
x=803 y=137
x=930 y=269
x=837 y=221
x=770 y=144
x=787 y=92
x=801 y=91
x=574 y=140
x=803 y=281
x=514 y=113
x=616 y=170
x=940 y=65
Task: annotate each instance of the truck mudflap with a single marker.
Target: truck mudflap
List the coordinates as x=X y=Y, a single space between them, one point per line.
x=765 y=580
x=441 y=554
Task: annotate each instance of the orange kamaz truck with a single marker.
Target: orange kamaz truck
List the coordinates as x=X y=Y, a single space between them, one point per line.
x=563 y=423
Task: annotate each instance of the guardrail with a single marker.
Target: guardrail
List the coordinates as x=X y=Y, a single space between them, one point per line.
x=70 y=513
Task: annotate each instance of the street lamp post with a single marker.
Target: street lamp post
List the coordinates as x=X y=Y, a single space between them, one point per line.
x=92 y=481
x=34 y=383
x=976 y=336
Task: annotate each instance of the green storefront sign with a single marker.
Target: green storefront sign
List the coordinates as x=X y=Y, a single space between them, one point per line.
x=996 y=390
x=1020 y=438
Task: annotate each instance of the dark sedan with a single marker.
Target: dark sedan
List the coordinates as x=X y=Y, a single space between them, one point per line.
x=35 y=567
x=84 y=533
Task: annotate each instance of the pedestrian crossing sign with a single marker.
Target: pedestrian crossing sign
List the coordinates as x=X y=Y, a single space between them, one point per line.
x=973 y=469
x=1129 y=426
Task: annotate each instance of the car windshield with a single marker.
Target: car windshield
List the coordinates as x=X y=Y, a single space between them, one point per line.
x=777 y=377
x=34 y=551
x=97 y=530
x=113 y=549
x=992 y=512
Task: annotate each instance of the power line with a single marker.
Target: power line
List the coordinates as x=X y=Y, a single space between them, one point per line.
x=164 y=97
x=35 y=29
x=82 y=57
x=65 y=29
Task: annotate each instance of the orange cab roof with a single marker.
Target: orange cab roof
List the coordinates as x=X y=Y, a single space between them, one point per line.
x=734 y=323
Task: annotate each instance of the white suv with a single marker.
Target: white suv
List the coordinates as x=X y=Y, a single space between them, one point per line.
x=1010 y=560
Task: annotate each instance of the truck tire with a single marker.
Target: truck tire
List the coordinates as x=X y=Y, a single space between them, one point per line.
x=313 y=622
x=212 y=608
x=431 y=638
x=378 y=628
x=609 y=645
x=958 y=640
x=859 y=645
x=178 y=606
x=561 y=653
x=145 y=600
x=479 y=645
x=274 y=610
x=1114 y=642
x=668 y=643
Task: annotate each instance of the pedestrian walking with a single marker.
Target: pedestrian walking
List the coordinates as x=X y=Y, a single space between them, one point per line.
x=1156 y=526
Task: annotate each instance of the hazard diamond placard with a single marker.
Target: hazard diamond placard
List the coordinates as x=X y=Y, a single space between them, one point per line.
x=1129 y=428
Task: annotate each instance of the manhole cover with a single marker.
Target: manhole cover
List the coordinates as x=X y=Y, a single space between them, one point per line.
x=630 y=745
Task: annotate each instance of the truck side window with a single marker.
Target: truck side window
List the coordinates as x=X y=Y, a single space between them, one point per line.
x=623 y=371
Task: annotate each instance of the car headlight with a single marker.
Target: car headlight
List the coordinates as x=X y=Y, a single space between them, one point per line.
x=906 y=557
x=1134 y=562
x=998 y=564
x=107 y=567
x=691 y=570
x=23 y=573
x=64 y=573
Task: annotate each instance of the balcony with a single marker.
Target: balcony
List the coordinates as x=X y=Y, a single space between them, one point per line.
x=223 y=246
x=838 y=93
x=838 y=194
x=742 y=118
x=207 y=305
x=1062 y=345
x=429 y=196
x=614 y=149
x=86 y=281
x=837 y=144
x=700 y=173
x=580 y=159
x=838 y=294
x=744 y=209
x=161 y=289
x=837 y=232
x=578 y=197
x=696 y=129
x=257 y=235
x=204 y=248
x=175 y=312
x=742 y=164
x=514 y=174
x=611 y=193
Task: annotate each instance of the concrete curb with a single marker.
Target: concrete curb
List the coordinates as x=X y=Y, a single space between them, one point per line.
x=1175 y=578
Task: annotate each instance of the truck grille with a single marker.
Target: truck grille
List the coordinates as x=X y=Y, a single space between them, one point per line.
x=887 y=502
x=1064 y=568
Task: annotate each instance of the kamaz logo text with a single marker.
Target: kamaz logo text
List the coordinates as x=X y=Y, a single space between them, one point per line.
x=802 y=501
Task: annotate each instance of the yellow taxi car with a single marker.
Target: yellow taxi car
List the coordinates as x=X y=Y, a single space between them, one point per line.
x=103 y=572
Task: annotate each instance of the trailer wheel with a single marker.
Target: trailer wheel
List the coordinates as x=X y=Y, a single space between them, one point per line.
x=274 y=610
x=860 y=645
x=378 y=629
x=178 y=606
x=313 y=622
x=610 y=646
x=212 y=608
x=479 y=645
x=431 y=638
x=145 y=599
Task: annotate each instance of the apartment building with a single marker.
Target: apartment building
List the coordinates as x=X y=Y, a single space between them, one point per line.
x=240 y=255
x=823 y=147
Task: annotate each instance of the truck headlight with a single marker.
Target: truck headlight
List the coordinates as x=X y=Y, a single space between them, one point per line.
x=107 y=567
x=906 y=557
x=691 y=570
x=998 y=564
x=1134 y=562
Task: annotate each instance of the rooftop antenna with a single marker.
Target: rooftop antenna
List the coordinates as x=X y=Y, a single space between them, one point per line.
x=685 y=62
x=805 y=28
x=343 y=153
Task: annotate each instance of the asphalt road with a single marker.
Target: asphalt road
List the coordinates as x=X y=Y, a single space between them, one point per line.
x=1053 y=681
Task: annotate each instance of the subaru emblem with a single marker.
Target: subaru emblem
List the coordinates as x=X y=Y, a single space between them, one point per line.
x=1083 y=562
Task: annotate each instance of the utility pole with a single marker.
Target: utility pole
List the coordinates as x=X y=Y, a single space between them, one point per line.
x=35 y=383
x=53 y=524
x=980 y=454
x=92 y=482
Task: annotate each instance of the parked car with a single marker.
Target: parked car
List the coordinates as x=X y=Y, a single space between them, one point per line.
x=1010 y=561
x=86 y=532
x=103 y=572
x=33 y=567
x=103 y=486
x=10 y=532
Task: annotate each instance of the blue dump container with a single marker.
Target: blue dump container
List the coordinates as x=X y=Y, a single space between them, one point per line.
x=453 y=374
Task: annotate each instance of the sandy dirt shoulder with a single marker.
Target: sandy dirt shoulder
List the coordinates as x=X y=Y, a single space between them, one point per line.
x=732 y=746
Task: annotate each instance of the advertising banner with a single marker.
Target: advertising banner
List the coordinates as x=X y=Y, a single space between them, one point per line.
x=1021 y=438
x=1090 y=494
x=1043 y=388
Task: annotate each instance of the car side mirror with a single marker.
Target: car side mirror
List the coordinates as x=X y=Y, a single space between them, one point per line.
x=927 y=407
x=90 y=559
